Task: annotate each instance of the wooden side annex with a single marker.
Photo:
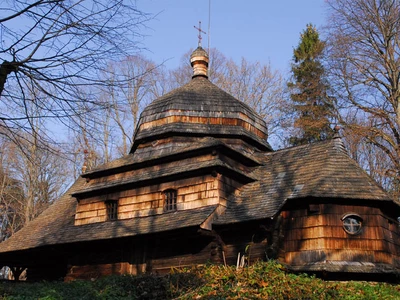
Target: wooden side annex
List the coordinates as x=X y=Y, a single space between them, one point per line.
x=315 y=239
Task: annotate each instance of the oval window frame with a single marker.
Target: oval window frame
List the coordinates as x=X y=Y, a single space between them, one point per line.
x=355 y=221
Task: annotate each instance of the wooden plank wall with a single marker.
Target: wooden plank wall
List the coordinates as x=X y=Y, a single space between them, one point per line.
x=241 y=119
x=164 y=260
x=237 y=238
x=192 y=193
x=320 y=236
x=162 y=253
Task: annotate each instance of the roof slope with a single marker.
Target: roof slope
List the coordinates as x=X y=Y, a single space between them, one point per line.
x=200 y=108
x=159 y=174
x=56 y=225
x=155 y=154
x=318 y=170
x=321 y=170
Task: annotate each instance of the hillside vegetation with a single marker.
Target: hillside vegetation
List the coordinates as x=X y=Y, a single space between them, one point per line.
x=260 y=281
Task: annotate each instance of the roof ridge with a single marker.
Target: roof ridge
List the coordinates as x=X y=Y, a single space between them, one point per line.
x=336 y=142
x=291 y=148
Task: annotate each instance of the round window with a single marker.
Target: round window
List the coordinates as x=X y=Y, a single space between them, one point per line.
x=352 y=224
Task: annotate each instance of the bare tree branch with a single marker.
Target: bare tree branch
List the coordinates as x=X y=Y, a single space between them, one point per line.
x=364 y=64
x=62 y=49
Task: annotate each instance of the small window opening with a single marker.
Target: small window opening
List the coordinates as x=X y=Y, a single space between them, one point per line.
x=170 y=200
x=112 y=210
x=352 y=224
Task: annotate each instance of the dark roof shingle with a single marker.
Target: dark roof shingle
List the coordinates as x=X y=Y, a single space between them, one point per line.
x=56 y=225
x=320 y=170
x=200 y=99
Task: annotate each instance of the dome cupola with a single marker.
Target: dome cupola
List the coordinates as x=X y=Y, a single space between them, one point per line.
x=200 y=109
x=199 y=62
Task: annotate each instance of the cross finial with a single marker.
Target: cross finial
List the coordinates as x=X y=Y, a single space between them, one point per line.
x=200 y=32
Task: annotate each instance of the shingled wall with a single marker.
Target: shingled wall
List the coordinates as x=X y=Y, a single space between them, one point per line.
x=318 y=236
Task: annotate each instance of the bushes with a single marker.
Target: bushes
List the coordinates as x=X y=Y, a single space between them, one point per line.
x=260 y=281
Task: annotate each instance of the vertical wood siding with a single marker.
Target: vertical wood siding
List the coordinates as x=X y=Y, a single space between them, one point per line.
x=319 y=236
x=192 y=193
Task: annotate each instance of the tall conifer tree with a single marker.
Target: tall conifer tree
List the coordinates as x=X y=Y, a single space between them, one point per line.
x=309 y=91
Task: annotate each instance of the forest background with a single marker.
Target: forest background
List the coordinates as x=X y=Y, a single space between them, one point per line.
x=75 y=75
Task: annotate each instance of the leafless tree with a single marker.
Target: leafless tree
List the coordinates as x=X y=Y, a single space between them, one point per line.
x=128 y=100
x=108 y=134
x=104 y=135
x=364 y=63
x=31 y=176
x=58 y=48
x=42 y=175
x=372 y=159
x=134 y=82
x=259 y=86
x=40 y=171
x=11 y=195
x=89 y=145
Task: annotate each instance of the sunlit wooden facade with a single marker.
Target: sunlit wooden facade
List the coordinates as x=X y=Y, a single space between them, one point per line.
x=202 y=185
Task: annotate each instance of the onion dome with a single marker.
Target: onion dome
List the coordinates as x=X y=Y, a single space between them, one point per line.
x=199 y=61
x=201 y=109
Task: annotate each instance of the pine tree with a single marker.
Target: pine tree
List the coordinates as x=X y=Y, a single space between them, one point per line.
x=309 y=91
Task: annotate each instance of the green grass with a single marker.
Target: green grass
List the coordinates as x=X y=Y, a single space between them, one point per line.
x=260 y=281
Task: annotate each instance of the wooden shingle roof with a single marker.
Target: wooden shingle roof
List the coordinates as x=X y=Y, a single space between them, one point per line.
x=161 y=174
x=320 y=170
x=56 y=225
x=203 y=109
x=192 y=121
x=157 y=154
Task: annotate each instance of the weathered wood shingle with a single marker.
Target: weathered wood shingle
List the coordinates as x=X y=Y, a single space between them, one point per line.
x=56 y=225
x=159 y=174
x=200 y=108
x=321 y=170
x=152 y=155
x=214 y=148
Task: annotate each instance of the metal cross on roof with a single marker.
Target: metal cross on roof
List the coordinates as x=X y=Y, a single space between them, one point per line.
x=200 y=32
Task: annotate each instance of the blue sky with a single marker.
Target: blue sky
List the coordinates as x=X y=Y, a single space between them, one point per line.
x=258 y=30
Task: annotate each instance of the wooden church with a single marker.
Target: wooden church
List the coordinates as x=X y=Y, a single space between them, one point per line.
x=202 y=185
